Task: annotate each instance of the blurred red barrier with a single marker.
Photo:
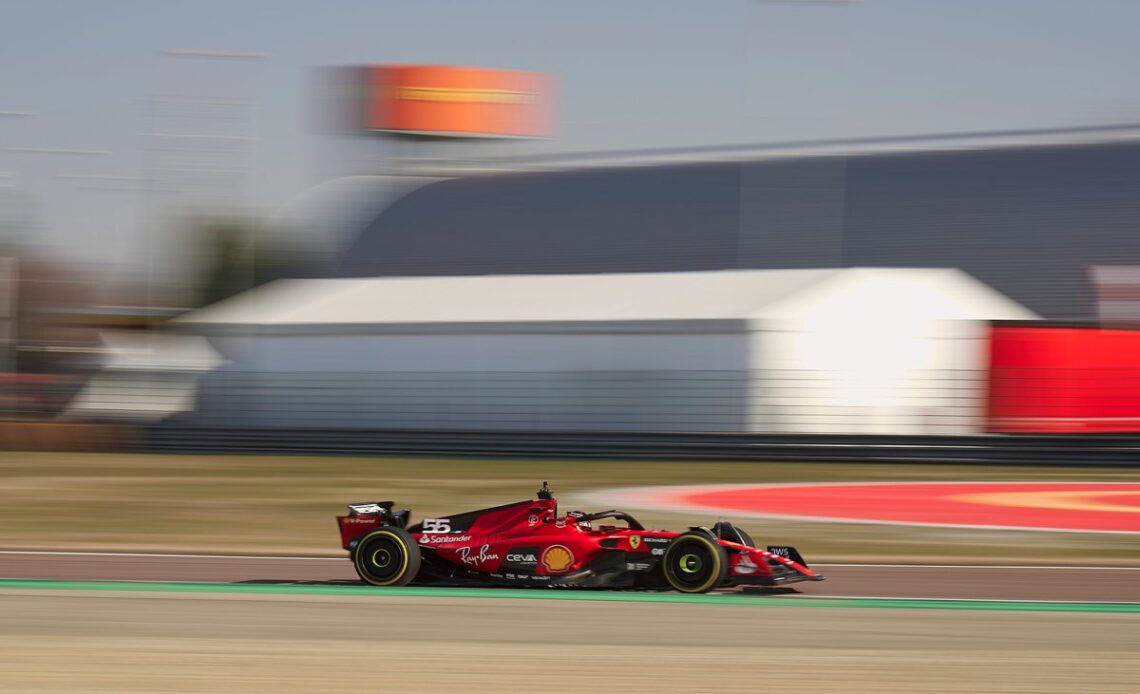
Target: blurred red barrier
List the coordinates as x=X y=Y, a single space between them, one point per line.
x=1063 y=380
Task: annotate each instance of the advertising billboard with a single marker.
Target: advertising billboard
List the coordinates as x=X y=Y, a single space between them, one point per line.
x=1064 y=380
x=443 y=101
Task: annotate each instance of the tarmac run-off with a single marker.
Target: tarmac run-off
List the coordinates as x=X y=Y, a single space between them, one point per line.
x=1096 y=507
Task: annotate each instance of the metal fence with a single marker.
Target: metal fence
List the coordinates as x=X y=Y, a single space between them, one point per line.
x=790 y=401
x=1120 y=451
x=929 y=417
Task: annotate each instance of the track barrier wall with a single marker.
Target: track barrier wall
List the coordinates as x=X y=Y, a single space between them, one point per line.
x=1063 y=380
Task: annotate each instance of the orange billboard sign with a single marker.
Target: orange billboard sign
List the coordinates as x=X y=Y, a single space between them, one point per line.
x=457 y=101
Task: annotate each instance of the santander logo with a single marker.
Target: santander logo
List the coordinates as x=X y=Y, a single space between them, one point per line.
x=440 y=539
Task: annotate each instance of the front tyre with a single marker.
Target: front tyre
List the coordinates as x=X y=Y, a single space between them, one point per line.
x=387 y=556
x=695 y=563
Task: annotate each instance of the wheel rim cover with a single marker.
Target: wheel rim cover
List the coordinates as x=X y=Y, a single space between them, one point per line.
x=691 y=563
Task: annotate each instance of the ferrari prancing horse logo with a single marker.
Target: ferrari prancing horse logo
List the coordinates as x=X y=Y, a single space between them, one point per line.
x=634 y=541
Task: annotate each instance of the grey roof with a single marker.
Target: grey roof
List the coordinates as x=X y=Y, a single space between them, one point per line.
x=538 y=302
x=1028 y=220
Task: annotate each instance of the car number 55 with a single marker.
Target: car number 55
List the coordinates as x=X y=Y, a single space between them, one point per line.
x=437 y=525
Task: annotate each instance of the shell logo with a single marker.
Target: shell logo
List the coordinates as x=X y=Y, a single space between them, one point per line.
x=557 y=559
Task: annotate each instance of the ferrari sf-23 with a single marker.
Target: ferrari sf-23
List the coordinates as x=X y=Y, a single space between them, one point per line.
x=528 y=544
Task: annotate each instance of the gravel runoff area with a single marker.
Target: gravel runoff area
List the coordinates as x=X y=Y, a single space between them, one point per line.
x=77 y=641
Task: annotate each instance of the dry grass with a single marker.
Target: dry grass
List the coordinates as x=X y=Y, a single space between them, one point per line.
x=249 y=504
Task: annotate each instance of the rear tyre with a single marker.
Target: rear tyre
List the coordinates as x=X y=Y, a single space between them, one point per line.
x=387 y=556
x=695 y=563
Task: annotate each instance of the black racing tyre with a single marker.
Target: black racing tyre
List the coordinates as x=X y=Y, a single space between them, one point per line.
x=387 y=556
x=695 y=563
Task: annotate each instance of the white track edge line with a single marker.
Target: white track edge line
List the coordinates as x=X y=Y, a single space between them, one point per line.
x=155 y=555
x=159 y=555
x=897 y=598
x=809 y=596
x=1037 y=567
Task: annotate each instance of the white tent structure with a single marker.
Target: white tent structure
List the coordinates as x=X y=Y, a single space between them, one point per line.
x=836 y=351
x=145 y=377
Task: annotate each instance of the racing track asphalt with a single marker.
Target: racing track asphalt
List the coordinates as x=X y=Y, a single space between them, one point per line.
x=985 y=582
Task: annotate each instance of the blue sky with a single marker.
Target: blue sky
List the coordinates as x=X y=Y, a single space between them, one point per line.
x=633 y=74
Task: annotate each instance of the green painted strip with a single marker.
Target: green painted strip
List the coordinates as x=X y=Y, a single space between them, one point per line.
x=591 y=596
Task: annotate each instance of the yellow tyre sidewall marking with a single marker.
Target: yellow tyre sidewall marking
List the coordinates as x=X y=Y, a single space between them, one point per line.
x=1067 y=500
x=713 y=574
x=358 y=557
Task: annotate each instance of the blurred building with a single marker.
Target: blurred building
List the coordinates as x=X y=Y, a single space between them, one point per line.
x=1030 y=214
x=696 y=290
x=804 y=351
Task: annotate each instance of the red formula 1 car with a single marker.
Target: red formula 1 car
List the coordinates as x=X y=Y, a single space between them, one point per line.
x=528 y=544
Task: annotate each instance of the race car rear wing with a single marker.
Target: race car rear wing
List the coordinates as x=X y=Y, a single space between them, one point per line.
x=383 y=510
